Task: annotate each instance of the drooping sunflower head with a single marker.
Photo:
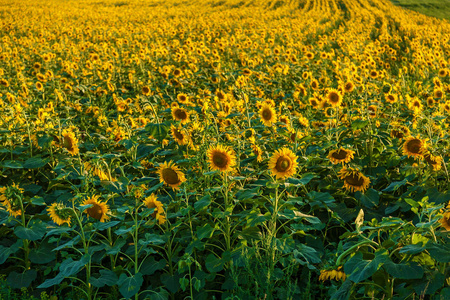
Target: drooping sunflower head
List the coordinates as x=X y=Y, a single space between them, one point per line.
x=180 y=114
x=335 y=274
x=99 y=210
x=334 y=98
x=221 y=158
x=283 y=163
x=178 y=135
x=11 y=197
x=414 y=147
x=341 y=155
x=60 y=214
x=268 y=114
x=434 y=161
x=170 y=174
x=354 y=180
x=70 y=142
x=158 y=213
x=445 y=221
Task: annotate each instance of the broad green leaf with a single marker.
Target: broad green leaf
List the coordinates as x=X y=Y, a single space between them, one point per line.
x=412 y=249
x=441 y=253
x=214 y=264
x=129 y=286
x=12 y=164
x=107 y=277
x=33 y=233
x=248 y=193
x=369 y=199
x=21 y=280
x=205 y=231
x=70 y=267
x=205 y=201
x=343 y=293
x=35 y=162
x=403 y=270
x=51 y=282
x=42 y=254
x=150 y=265
x=395 y=185
x=361 y=269
x=5 y=252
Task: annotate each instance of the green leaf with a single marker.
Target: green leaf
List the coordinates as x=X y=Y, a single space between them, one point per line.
x=107 y=277
x=12 y=164
x=105 y=225
x=51 y=282
x=306 y=178
x=369 y=199
x=21 y=280
x=297 y=215
x=412 y=249
x=441 y=253
x=343 y=293
x=5 y=252
x=43 y=254
x=403 y=271
x=395 y=185
x=172 y=283
x=35 y=162
x=250 y=233
x=360 y=269
x=359 y=124
x=150 y=265
x=129 y=286
x=36 y=200
x=247 y=193
x=33 y=233
x=205 y=231
x=113 y=250
x=70 y=267
x=214 y=264
x=320 y=199
x=205 y=201
x=306 y=255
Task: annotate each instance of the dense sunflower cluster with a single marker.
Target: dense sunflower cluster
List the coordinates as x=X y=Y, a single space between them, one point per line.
x=117 y=105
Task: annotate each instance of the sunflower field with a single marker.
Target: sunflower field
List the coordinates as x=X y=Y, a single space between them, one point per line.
x=223 y=149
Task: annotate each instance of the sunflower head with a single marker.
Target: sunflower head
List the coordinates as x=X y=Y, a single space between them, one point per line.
x=434 y=161
x=180 y=114
x=60 y=214
x=70 y=142
x=354 y=180
x=334 y=98
x=414 y=147
x=221 y=158
x=337 y=274
x=158 y=213
x=445 y=221
x=170 y=174
x=178 y=135
x=283 y=163
x=12 y=197
x=268 y=114
x=341 y=155
x=99 y=210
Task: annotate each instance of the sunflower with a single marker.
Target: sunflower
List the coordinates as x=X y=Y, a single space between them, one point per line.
x=258 y=152
x=442 y=73
x=354 y=180
x=268 y=114
x=283 y=163
x=158 y=214
x=178 y=135
x=438 y=93
x=221 y=158
x=180 y=114
x=170 y=174
x=11 y=197
x=98 y=210
x=314 y=102
x=340 y=155
x=59 y=213
x=182 y=98
x=391 y=98
x=334 y=98
x=39 y=86
x=146 y=90
x=399 y=131
x=70 y=142
x=4 y=82
x=434 y=161
x=337 y=274
x=414 y=147
x=349 y=87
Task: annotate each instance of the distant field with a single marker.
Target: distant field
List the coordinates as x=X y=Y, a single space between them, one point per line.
x=433 y=8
